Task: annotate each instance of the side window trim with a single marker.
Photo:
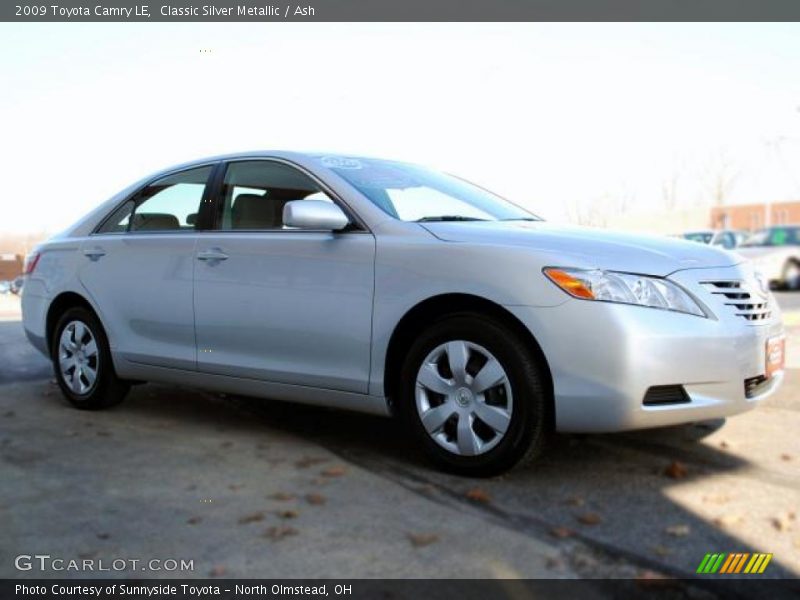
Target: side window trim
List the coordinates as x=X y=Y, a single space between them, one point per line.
x=217 y=202
x=207 y=199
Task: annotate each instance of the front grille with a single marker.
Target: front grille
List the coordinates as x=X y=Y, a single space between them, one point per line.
x=659 y=395
x=754 y=385
x=742 y=299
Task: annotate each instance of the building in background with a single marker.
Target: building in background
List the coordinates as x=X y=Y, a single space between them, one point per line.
x=10 y=266
x=755 y=216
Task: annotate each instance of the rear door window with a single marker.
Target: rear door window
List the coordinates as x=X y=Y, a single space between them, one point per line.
x=169 y=204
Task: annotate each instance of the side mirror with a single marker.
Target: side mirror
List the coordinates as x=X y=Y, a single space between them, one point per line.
x=314 y=214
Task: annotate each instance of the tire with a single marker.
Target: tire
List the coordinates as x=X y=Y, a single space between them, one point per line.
x=96 y=385
x=518 y=403
x=791 y=276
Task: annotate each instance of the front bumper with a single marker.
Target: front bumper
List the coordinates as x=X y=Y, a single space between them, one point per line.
x=604 y=357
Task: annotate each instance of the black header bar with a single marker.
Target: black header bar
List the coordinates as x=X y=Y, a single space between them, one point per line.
x=399 y=10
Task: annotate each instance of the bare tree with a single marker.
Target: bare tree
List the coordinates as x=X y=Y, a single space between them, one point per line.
x=723 y=174
x=669 y=191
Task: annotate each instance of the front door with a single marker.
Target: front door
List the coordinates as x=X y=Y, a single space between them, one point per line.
x=279 y=304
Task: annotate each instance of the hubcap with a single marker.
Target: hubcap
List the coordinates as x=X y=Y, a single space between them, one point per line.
x=463 y=398
x=78 y=358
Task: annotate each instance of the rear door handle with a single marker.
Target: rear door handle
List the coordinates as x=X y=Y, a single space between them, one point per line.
x=95 y=253
x=212 y=255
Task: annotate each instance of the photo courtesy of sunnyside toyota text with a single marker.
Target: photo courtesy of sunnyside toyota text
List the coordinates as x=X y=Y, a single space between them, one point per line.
x=400 y=299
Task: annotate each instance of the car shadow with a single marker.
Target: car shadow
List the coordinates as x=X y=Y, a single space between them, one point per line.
x=19 y=360
x=613 y=492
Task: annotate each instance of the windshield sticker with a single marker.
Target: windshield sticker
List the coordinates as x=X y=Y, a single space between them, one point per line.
x=340 y=162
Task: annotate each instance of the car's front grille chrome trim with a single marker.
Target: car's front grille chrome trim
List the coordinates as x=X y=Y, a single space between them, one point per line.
x=741 y=298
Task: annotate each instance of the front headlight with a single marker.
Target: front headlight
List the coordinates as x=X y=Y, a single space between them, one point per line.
x=624 y=288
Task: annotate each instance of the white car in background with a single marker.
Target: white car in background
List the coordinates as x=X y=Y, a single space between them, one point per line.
x=726 y=238
x=775 y=253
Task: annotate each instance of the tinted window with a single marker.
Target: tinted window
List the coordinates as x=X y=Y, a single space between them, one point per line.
x=171 y=203
x=414 y=193
x=702 y=237
x=775 y=236
x=255 y=192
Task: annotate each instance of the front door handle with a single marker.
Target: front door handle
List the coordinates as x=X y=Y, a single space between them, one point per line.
x=94 y=254
x=212 y=255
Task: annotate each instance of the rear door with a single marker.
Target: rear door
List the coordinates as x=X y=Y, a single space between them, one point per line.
x=138 y=269
x=279 y=304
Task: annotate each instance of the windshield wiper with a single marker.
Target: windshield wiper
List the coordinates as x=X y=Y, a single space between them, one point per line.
x=521 y=219
x=447 y=218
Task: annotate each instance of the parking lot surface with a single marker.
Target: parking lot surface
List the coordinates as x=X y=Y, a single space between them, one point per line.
x=251 y=488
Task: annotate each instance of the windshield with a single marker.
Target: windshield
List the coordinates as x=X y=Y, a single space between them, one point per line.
x=413 y=193
x=704 y=237
x=775 y=236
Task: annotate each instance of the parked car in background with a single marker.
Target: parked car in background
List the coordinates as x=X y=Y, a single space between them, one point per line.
x=775 y=252
x=16 y=285
x=726 y=238
x=5 y=287
x=394 y=289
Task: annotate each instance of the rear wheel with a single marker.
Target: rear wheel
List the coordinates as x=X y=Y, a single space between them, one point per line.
x=472 y=393
x=82 y=362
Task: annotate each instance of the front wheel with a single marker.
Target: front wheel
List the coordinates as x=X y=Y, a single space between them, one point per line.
x=473 y=394
x=82 y=362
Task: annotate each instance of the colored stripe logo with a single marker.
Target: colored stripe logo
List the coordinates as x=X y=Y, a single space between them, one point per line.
x=734 y=562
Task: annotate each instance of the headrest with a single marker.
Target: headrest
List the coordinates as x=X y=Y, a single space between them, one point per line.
x=154 y=221
x=251 y=211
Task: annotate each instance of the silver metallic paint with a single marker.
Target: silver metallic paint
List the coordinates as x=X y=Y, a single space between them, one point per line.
x=308 y=316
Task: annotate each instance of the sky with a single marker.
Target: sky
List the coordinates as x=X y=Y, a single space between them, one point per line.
x=552 y=116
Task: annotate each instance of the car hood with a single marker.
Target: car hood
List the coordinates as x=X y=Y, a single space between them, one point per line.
x=587 y=247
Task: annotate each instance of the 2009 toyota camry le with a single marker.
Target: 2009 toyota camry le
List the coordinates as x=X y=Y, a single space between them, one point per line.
x=389 y=288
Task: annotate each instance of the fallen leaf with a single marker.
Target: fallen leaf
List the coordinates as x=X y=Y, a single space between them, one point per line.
x=723 y=444
x=553 y=563
x=575 y=501
x=652 y=578
x=728 y=520
x=218 y=571
x=288 y=514
x=280 y=532
x=662 y=550
x=103 y=536
x=336 y=471
x=283 y=496
x=478 y=495
x=194 y=520
x=778 y=524
x=235 y=487
x=315 y=499
x=678 y=530
x=419 y=540
x=251 y=518
x=589 y=518
x=786 y=457
x=676 y=470
x=561 y=532
x=309 y=461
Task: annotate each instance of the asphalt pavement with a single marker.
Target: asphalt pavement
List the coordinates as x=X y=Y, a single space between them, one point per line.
x=252 y=488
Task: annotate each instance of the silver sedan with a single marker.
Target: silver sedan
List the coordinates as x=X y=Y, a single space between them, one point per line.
x=393 y=289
